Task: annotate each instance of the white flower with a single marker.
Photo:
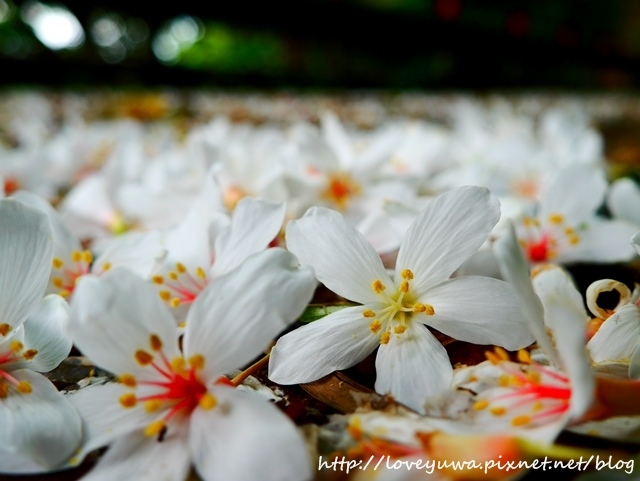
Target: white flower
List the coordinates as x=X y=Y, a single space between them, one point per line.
x=40 y=428
x=138 y=251
x=207 y=245
x=169 y=411
x=613 y=343
x=411 y=364
x=566 y=228
x=527 y=398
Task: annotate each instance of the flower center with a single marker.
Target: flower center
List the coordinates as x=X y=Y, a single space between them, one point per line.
x=542 y=243
x=8 y=382
x=341 y=188
x=68 y=274
x=11 y=185
x=232 y=196
x=181 y=286
x=176 y=390
x=398 y=309
x=534 y=393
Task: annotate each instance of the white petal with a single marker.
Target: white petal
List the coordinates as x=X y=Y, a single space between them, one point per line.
x=480 y=310
x=553 y=281
x=576 y=192
x=63 y=239
x=254 y=224
x=138 y=251
x=603 y=241
x=448 y=231
x=238 y=315
x=338 y=341
x=618 y=336
x=46 y=331
x=245 y=438
x=623 y=200
x=570 y=336
x=413 y=366
x=336 y=136
x=340 y=255
x=41 y=425
x=114 y=420
x=26 y=252
x=114 y=315
x=515 y=269
x=142 y=458
x=634 y=365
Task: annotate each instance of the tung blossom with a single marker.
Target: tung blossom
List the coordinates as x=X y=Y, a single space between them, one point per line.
x=173 y=407
x=411 y=364
x=565 y=226
x=40 y=429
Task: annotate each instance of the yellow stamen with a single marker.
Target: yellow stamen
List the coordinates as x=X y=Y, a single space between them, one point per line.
x=57 y=263
x=4 y=329
x=16 y=346
x=556 y=219
x=29 y=354
x=175 y=302
x=158 y=280
x=177 y=364
x=384 y=338
x=24 y=387
x=498 y=411
x=406 y=274
x=87 y=257
x=524 y=356
x=200 y=273
x=404 y=286
x=57 y=282
x=180 y=267
x=399 y=329
x=375 y=326
x=368 y=313
x=155 y=342
x=537 y=407
x=504 y=380
x=377 y=286
x=520 y=420
x=426 y=308
x=196 y=361
x=208 y=402
x=155 y=428
x=76 y=256
x=128 y=380
x=574 y=239
x=152 y=406
x=106 y=266
x=501 y=353
x=173 y=276
x=492 y=357
x=165 y=295
x=143 y=357
x=128 y=400
x=480 y=405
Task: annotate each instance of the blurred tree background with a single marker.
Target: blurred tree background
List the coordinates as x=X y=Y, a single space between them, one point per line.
x=323 y=44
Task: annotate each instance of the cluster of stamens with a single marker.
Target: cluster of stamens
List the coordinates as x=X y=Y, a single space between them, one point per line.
x=181 y=286
x=399 y=310
x=341 y=188
x=542 y=243
x=15 y=353
x=67 y=274
x=368 y=445
x=180 y=389
x=535 y=392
